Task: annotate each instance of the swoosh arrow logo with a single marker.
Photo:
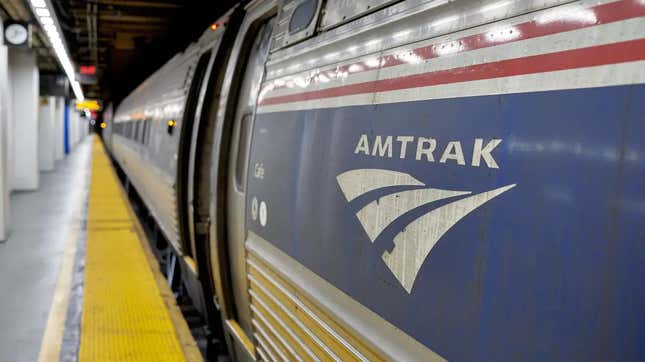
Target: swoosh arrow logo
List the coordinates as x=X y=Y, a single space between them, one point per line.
x=415 y=241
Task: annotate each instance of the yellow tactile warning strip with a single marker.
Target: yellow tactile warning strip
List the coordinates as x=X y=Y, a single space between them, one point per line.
x=128 y=315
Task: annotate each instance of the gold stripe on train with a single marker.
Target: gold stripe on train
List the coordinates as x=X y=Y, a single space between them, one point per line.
x=269 y=343
x=299 y=349
x=286 y=311
x=314 y=343
x=264 y=345
x=269 y=325
x=263 y=356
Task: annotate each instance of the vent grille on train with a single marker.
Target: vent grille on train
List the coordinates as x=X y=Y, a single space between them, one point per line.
x=290 y=327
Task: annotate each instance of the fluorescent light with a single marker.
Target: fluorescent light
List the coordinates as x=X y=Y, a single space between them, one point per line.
x=54 y=36
x=42 y=12
x=47 y=19
x=38 y=3
x=76 y=87
x=52 y=33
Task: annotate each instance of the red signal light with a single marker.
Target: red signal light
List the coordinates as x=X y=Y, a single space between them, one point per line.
x=87 y=69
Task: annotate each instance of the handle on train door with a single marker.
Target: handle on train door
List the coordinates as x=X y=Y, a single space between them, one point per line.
x=243 y=145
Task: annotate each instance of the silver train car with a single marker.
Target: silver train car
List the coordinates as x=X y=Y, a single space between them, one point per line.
x=404 y=180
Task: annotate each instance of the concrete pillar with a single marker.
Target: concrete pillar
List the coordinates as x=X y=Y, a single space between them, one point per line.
x=6 y=90
x=24 y=90
x=78 y=127
x=70 y=126
x=59 y=128
x=84 y=127
x=5 y=129
x=73 y=127
x=80 y=124
x=46 y=134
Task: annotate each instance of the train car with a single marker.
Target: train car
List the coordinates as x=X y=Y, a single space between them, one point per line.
x=405 y=180
x=149 y=136
x=107 y=117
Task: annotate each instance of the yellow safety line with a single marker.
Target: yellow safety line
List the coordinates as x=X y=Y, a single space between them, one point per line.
x=191 y=350
x=125 y=317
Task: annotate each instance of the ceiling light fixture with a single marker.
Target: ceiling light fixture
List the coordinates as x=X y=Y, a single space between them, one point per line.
x=38 y=3
x=42 y=12
x=47 y=19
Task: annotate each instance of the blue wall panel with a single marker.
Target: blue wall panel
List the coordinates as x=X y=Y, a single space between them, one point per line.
x=66 y=128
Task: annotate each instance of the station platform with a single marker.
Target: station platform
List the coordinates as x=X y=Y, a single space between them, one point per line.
x=82 y=283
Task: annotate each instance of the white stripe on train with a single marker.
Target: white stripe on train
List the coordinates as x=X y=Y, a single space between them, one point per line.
x=626 y=30
x=599 y=76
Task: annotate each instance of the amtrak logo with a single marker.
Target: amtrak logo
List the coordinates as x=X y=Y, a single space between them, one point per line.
x=412 y=244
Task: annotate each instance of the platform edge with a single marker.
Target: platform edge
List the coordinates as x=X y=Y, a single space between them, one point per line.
x=182 y=331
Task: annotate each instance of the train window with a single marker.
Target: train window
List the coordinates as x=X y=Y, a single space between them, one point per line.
x=142 y=131
x=146 y=134
x=302 y=16
x=242 y=150
x=297 y=21
x=135 y=136
x=186 y=138
x=253 y=73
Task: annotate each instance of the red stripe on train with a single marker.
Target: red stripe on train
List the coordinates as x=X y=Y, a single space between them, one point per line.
x=604 y=14
x=627 y=51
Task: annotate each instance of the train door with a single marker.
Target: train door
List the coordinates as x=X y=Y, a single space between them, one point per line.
x=184 y=196
x=238 y=166
x=241 y=87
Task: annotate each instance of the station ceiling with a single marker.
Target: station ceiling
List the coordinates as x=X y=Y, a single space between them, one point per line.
x=126 y=40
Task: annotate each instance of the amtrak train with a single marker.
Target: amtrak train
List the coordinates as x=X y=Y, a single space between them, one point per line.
x=409 y=180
